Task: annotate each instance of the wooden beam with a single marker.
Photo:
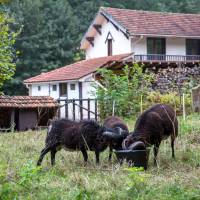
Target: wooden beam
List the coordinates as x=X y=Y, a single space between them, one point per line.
x=97 y=27
x=12 y=120
x=90 y=40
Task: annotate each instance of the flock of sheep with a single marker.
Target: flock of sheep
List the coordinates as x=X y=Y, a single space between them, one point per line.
x=152 y=126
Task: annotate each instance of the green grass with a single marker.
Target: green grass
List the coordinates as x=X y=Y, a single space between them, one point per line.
x=69 y=179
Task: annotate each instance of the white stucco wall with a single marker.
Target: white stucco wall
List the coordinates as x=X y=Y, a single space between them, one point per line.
x=139 y=46
x=120 y=44
x=44 y=89
x=87 y=88
x=54 y=94
x=176 y=46
x=88 y=92
x=47 y=90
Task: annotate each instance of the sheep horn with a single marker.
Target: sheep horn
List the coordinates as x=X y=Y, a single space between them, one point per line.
x=110 y=134
x=137 y=144
x=124 y=147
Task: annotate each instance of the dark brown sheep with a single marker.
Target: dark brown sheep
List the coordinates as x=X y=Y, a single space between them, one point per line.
x=116 y=123
x=154 y=125
x=84 y=135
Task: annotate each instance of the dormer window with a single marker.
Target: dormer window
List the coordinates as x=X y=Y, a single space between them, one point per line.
x=109 y=43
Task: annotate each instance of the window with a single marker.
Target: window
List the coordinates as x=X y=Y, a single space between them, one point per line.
x=54 y=87
x=109 y=41
x=192 y=47
x=63 y=89
x=39 y=87
x=156 y=46
x=72 y=86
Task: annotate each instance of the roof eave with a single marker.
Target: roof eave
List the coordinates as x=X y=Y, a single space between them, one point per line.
x=51 y=81
x=91 y=25
x=161 y=35
x=107 y=17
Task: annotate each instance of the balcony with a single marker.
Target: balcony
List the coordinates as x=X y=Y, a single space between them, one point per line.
x=160 y=58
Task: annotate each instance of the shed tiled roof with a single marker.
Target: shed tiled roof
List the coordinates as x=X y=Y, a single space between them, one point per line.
x=27 y=102
x=139 y=22
x=76 y=70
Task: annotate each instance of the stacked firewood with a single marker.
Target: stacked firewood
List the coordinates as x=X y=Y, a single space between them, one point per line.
x=176 y=78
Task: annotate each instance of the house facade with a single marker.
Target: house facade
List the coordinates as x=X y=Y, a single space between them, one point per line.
x=120 y=35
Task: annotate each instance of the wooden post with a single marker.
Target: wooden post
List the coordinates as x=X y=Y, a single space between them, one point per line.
x=96 y=110
x=80 y=86
x=141 y=104
x=184 y=113
x=59 y=113
x=88 y=108
x=66 y=109
x=12 y=121
x=113 y=108
x=81 y=108
x=73 y=104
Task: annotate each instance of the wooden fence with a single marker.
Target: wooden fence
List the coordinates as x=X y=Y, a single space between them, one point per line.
x=78 y=109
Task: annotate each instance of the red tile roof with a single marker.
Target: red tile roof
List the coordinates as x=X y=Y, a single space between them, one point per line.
x=76 y=70
x=139 y=22
x=27 y=102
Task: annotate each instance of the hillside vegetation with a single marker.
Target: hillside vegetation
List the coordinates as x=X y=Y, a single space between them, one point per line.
x=51 y=31
x=69 y=179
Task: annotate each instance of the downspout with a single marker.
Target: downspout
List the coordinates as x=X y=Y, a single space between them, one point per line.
x=49 y=89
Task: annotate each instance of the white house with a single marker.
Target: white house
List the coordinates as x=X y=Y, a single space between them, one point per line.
x=117 y=35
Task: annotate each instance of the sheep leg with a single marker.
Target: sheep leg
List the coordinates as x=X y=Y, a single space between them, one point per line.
x=43 y=153
x=172 y=146
x=85 y=155
x=155 y=149
x=53 y=155
x=110 y=154
x=97 y=156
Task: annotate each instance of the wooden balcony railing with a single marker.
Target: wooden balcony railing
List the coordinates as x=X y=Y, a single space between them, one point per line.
x=166 y=58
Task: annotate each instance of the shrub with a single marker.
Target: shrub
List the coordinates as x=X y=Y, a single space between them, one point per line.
x=122 y=90
x=28 y=174
x=172 y=99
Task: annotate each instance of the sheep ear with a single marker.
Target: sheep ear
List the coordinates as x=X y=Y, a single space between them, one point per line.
x=122 y=133
x=120 y=130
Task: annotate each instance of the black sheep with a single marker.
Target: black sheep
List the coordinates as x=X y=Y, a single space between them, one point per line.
x=84 y=135
x=116 y=123
x=154 y=125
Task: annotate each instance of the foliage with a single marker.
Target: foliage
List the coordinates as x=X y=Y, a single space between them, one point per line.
x=122 y=91
x=7 y=52
x=138 y=179
x=171 y=98
x=52 y=43
x=28 y=174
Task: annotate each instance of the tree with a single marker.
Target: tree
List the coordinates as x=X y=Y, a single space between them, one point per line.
x=52 y=30
x=122 y=90
x=7 y=52
x=47 y=40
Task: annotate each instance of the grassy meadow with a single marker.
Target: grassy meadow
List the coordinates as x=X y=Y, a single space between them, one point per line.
x=177 y=179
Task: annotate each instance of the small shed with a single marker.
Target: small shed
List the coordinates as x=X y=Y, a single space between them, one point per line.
x=26 y=112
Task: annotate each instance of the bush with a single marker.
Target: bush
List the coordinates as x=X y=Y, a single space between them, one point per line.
x=122 y=90
x=172 y=99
